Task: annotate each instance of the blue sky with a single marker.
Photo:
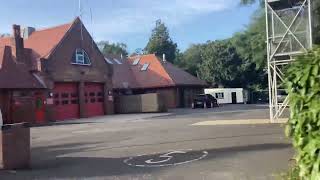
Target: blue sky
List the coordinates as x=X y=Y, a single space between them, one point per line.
x=131 y=21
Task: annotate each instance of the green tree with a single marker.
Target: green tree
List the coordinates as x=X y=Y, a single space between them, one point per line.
x=113 y=48
x=251 y=44
x=221 y=64
x=190 y=59
x=161 y=43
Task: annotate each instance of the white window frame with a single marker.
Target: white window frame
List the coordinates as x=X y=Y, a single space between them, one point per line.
x=108 y=61
x=220 y=95
x=145 y=67
x=80 y=57
x=117 y=61
x=136 y=61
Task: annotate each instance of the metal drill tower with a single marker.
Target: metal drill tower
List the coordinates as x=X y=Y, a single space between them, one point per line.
x=289 y=33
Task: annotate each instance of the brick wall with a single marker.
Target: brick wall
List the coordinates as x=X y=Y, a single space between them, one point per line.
x=58 y=67
x=15 y=147
x=170 y=97
x=144 y=103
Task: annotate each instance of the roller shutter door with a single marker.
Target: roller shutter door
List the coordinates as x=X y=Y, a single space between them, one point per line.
x=94 y=99
x=66 y=101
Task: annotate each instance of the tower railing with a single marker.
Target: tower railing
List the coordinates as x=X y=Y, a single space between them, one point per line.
x=289 y=33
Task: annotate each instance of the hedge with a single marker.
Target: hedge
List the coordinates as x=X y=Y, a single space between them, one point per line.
x=303 y=87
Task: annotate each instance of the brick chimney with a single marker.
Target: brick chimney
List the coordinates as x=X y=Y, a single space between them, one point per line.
x=18 y=43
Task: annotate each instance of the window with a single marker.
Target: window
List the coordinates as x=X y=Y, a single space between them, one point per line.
x=145 y=67
x=91 y=94
x=74 y=95
x=64 y=95
x=92 y=100
x=56 y=95
x=108 y=61
x=117 y=61
x=100 y=94
x=65 y=102
x=81 y=57
x=136 y=61
x=75 y=101
x=220 y=95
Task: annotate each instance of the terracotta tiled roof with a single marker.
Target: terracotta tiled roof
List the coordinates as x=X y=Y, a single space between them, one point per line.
x=15 y=75
x=158 y=74
x=5 y=41
x=43 y=42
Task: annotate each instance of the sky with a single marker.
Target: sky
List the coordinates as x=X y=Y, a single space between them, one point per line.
x=131 y=21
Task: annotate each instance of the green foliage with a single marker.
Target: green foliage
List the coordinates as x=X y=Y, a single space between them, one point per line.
x=303 y=86
x=246 y=49
x=191 y=59
x=161 y=43
x=292 y=174
x=251 y=43
x=113 y=48
x=221 y=64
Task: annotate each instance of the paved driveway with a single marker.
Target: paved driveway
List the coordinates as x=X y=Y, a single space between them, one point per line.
x=159 y=146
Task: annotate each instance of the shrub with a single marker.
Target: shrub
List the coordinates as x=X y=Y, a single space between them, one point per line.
x=292 y=174
x=303 y=86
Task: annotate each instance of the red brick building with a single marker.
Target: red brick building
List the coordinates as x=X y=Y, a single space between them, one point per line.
x=66 y=63
x=149 y=74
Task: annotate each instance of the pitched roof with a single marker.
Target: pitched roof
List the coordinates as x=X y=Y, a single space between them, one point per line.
x=15 y=75
x=43 y=42
x=181 y=77
x=158 y=74
x=122 y=74
x=5 y=41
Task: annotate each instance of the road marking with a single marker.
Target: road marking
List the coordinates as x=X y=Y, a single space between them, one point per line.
x=134 y=161
x=237 y=122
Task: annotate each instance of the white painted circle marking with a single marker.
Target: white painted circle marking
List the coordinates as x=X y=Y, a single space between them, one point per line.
x=163 y=163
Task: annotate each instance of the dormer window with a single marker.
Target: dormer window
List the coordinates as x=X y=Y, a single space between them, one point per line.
x=81 y=58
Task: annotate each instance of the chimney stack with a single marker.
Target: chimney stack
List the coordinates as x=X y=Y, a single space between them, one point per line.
x=164 y=57
x=18 y=43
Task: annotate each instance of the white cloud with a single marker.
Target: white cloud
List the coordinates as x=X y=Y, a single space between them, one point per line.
x=140 y=17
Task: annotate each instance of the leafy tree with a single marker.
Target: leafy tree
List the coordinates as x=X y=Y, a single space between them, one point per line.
x=221 y=64
x=161 y=43
x=251 y=44
x=190 y=60
x=113 y=48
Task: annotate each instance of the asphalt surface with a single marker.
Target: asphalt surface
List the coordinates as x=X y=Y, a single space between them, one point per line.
x=159 y=147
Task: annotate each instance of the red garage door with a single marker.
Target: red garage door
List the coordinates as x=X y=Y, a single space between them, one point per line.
x=66 y=101
x=94 y=99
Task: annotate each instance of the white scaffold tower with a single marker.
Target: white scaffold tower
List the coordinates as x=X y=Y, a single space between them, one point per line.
x=289 y=33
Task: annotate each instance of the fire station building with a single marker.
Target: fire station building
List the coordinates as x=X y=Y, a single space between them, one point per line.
x=65 y=76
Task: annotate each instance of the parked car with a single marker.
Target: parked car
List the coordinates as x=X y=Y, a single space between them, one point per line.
x=204 y=101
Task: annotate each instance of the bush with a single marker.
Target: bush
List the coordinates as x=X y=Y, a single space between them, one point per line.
x=292 y=174
x=303 y=86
